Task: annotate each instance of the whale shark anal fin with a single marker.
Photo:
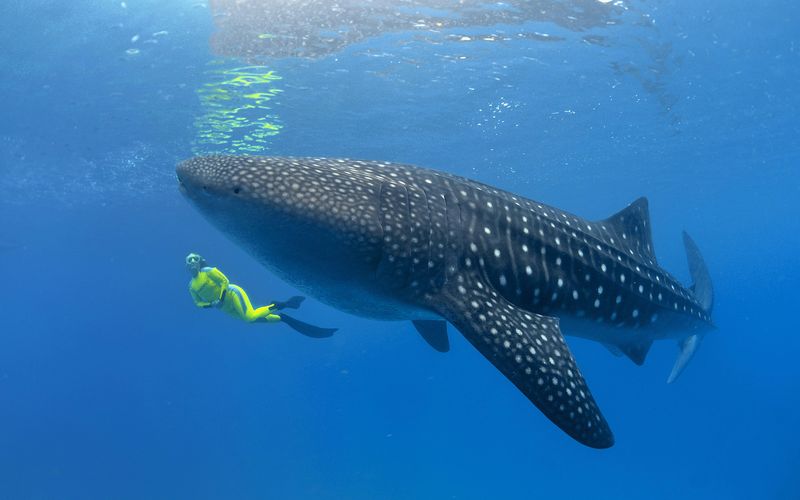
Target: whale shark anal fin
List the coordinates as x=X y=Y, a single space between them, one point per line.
x=434 y=331
x=636 y=351
x=530 y=351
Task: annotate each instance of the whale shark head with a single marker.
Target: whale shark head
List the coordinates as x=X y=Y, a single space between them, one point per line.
x=307 y=220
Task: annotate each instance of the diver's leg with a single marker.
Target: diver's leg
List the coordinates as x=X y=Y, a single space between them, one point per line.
x=233 y=304
x=264 y=315
x=248 y=313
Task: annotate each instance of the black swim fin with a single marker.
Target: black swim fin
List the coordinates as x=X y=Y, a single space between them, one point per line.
x=291 y=303
x=306 y=329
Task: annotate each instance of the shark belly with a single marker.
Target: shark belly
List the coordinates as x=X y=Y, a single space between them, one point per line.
x=366 y=301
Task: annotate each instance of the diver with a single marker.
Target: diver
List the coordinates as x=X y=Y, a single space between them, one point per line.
x=210 y=288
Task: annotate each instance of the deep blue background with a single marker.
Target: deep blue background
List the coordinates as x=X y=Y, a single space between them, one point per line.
x=113 y=385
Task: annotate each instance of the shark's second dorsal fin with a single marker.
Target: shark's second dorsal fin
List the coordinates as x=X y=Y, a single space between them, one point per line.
x=631 y=229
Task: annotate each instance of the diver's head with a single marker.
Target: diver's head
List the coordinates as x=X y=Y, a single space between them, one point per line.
x=194 y=263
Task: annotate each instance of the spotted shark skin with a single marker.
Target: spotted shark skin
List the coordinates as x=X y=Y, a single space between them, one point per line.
x=399 y=242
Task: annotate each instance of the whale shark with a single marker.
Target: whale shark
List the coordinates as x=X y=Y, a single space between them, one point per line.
x=398 y=242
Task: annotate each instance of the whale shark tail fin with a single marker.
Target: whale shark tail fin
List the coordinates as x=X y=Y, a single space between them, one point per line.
x=688 y=347
x=702 y=288
x=704 y=293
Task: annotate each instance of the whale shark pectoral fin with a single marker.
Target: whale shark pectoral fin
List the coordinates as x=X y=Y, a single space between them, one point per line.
x=688 y=347
x=434 y=331
x=530 y=351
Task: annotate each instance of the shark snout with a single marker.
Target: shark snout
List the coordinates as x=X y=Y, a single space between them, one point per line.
x=300 y=192
x=189 y=177
x=203 y=176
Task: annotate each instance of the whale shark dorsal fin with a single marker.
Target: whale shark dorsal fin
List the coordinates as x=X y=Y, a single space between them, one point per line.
x=434 y=332
x=631 y=226
x=530 y=351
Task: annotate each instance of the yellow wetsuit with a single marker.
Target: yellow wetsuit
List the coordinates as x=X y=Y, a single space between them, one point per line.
x=210 y=288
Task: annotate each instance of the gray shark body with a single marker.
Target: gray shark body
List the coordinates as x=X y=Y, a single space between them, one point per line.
x=399 y=242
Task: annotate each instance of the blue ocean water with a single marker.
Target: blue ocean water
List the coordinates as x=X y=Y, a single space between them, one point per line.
x=113 y=385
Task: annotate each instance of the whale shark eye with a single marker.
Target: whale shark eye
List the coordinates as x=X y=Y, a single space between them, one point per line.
x=237 y=190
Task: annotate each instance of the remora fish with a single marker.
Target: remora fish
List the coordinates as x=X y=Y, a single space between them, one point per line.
x=399 y=242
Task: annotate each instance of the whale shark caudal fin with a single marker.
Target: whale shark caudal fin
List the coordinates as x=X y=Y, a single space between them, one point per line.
x=704 y=293
x=688 y=347
x=530 y=351
x=702 y=288
x=434 y=332
x=632 y=228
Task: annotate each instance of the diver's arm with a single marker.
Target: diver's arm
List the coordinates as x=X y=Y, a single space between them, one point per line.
x=216 y=276
x=207 y=286
x=198 y=301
